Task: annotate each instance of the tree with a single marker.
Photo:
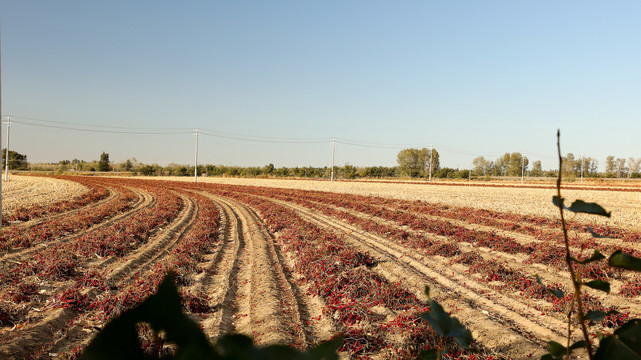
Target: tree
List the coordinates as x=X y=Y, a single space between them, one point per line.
x=481 y=167
x=16 y=161
x=408 y=162
x=537 y=170
x=268 y=169
x=415 y=162
x=609 y=166
x=103 y=164
x=129 y=165
x=511 y=164
x=569 y=165
x=634 y=165
x=620 y=167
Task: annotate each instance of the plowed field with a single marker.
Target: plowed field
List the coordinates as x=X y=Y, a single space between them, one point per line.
x=296 y=267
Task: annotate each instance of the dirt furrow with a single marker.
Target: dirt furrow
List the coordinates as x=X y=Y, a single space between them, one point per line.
x=121 y=270
x=265 y=306
x=501 y=324
x=57 y=322
x=113 y=195
x=220 y=279
x=156 y=248
x=548 y=273
x=144 y=201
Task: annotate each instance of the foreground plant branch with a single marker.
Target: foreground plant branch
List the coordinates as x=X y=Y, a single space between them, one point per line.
x=568 y=260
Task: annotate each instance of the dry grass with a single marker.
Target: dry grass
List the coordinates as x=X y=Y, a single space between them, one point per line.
x=24 y=191
x=625 y=206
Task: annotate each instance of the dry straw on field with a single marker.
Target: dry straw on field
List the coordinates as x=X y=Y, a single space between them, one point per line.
x=24 y=191
x=625 y=206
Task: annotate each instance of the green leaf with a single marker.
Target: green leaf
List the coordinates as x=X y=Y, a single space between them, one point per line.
x=446 y=325
x=595 y=257
x=556 y=350
x=624 y=261
x=599 y=285
x=578 y=345
x=597 y=235
x=427 y=291
x=596 y=315
x=625 y=343
x=556 y=292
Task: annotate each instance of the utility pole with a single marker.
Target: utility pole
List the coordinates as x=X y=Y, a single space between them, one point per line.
x=196 y=158
x=6 y=162
x=333 y=157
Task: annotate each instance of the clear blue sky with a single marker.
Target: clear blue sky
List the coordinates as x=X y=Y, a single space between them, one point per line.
x=485 y=77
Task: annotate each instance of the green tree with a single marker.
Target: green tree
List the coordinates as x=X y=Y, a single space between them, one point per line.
x=416 y=162
x=103 y=164
x=268 y=169
x=510 y=164
x=570 y=165
x=480 y=166
x=16 y=161
x=129 y=166
x=537 y=170
x=609 y=166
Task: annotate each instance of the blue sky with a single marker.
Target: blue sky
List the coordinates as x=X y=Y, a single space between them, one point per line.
x=473 y=78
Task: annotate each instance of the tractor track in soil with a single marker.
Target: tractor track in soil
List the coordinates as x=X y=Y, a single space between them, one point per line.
x=251 y=292
x=500 y=324
x=145 y=200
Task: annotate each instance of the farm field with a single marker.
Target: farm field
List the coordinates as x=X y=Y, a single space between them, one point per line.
x=24 y=191
x=292 y=264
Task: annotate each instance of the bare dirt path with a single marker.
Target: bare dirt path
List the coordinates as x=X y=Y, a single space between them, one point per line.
x=254 y=294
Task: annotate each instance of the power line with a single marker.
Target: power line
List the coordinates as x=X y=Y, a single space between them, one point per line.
x=102 y=131
x=265 y=140
x=241 y=137
x=97 y=126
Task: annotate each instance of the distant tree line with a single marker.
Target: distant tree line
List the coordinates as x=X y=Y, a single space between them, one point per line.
x=412 y=163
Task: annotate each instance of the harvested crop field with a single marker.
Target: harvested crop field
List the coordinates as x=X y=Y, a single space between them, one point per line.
x=624 y=202
x=26 y=191
x=294 y=265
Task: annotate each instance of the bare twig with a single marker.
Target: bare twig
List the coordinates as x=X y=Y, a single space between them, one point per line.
x=575 y=282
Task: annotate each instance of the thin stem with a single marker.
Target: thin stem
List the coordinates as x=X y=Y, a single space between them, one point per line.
x=568 y=261
x=569 y=330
